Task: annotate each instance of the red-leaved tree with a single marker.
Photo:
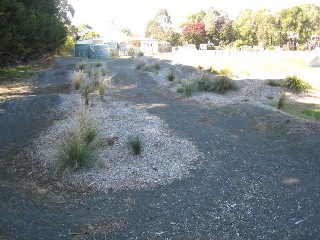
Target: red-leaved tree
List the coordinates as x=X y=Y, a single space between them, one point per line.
x=195 y=33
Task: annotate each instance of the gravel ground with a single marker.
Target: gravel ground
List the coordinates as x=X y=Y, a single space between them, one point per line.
x=165 y=156
x=258 y=176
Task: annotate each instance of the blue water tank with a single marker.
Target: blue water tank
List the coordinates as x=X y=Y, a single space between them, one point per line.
x=82 y=50
x=99 y=51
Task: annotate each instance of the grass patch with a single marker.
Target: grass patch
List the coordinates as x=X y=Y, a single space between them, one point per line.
x=17 y=72
x=171 y=75
x=296 y=84
x=135 y=144
x=98 y=65
x=90 y=88
x=180 y=90
x=82 y=66
x=314 y=113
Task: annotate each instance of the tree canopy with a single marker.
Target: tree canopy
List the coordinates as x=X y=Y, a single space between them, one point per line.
x=31 y=28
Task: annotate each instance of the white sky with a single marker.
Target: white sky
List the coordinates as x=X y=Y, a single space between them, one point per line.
x=136 y=13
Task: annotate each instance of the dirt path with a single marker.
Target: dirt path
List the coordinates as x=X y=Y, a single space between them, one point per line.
x=259 y=178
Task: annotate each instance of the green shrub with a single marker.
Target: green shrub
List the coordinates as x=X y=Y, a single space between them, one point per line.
x=274 y=83
x=180 y=90
x=189 y=88
x=104 y=71
x=281 y=102
x=98 y=65
x=82 y=66
x=141 y=65
x=203 y=82
x=223 y=84
x=212 y=70
x=171 y=76
x=86 y=93
x=294 y=83
x=135 y=144
x=156 y=66
x=132 y=52
x=85 y=127
x=75 y=154
x=140 y=54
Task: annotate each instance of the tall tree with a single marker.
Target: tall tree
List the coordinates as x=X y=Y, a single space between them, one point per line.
x=195 y=33
x=159 y=25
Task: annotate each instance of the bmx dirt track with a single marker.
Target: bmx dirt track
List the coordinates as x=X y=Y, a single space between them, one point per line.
x=258 y=179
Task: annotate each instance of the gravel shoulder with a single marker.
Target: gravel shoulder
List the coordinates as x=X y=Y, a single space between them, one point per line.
x=257 y=176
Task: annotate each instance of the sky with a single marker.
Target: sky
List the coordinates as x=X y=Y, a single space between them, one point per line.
x=135 y=14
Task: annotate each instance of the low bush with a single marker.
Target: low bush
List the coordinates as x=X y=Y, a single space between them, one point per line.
x=98 y=65
x=171 y=75
x=274 y=83
x=140 y=54
x=281 y=102
x=132 y=52
x=75 y=154
x=212 y=70
x=104 y=71
x=180 y=90
x=86 y=93
x=199 y=67
x=294 y=83
x=224 y=84
x=141 y=65
x=189 y=88
x=82 y=66
x=135 y=144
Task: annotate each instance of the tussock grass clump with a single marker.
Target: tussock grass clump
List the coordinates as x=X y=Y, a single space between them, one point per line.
x=203 y=82
x=98 y=65
x=227 y=72
x=75 y=151
x=212 y=70
x=82 y=66
x=294 y=83
x=155 y=66
x=75 y=154
x=141 y=65
x=102 y=89
x=89 y=88
x=274 y=83
x=224 y=84
x=180 y=90
x=77 y=79
x=104 y=71
x=135 y=144
x=282 y=102
x=189 y=88
x=140 y=54
x=199 y=67
x=171 y=75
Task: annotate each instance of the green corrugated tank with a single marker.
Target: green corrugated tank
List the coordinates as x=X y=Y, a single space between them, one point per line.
x=99 y=51
x=82 y=50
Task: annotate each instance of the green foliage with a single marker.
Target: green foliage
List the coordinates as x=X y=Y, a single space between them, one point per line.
x=31 y=29
x=199 y=67
x=89 y=88
x=223 y=84
x=180 y=90
x=274 y=83
x=98 y=65
x=282 y=102
x=159 y=25
x=135 y=144
x=294 y=83
x=212 y=70
x=25 y=71
x=189 y=87
x=171 y=75
x=314 y=113
x=104 y=71
x=140 y=54
x=82 y=66
x=141 y=65
x=75 y=151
